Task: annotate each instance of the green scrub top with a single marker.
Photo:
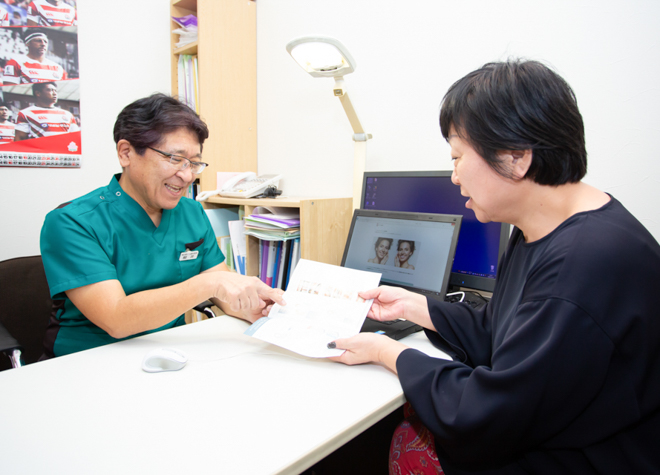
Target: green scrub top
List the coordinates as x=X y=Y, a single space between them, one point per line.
x=107 y=235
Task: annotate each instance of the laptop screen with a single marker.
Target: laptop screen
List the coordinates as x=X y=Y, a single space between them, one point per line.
x=410 y=250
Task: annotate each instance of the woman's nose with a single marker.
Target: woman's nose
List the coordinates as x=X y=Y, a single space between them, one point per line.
x=454 y=177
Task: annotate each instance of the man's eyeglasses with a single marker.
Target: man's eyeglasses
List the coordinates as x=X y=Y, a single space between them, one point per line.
x=182 y=163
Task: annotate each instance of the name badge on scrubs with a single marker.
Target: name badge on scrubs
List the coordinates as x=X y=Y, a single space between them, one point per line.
x=188 y=255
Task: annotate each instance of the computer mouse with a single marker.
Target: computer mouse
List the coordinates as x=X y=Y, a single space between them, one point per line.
x=164 y=359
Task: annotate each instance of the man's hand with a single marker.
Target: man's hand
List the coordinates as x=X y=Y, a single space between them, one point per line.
x=242 y=293
x=252 y=315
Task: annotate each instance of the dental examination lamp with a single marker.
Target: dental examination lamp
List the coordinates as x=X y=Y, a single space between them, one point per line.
x=325 y=57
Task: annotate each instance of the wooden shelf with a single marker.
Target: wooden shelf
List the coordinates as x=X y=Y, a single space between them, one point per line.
x=227 y=55
x=185 y=4
x=324 y=225
x=190 y=48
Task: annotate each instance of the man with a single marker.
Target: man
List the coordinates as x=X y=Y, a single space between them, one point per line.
x=131 y=257
x=7 y=127
x=44 y=119
x=34 y=66
x=51 y=13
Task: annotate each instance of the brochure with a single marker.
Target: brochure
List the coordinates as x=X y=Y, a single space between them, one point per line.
x=322 y=304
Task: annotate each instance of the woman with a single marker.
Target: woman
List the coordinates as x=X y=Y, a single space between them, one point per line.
x=382 y=248
x=405 y=251
x=558 y=373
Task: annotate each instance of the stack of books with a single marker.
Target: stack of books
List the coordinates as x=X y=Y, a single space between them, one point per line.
x=278 y=230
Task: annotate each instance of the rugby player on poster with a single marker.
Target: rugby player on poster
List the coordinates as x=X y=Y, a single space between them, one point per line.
x=44 y=119
x=6 y=125
x=51 y=13
x=33 y=67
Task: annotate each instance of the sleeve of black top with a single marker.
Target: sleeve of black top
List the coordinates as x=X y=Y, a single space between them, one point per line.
x=462 y=331
x=532 y=389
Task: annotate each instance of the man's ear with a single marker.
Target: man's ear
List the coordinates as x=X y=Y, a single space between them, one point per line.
x=124 y=152
x=519 y=162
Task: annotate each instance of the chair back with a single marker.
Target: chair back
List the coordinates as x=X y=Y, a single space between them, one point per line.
x=25 y=305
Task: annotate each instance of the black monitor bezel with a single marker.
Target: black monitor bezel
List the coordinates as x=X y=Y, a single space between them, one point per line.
x=455 y=219
x=456 y=280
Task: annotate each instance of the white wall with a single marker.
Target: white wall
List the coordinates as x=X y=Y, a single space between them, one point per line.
x=410 y=52
x=124 y=55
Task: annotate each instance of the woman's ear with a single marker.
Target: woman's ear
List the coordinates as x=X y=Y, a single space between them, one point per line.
x=124 y=150
x=519 y=162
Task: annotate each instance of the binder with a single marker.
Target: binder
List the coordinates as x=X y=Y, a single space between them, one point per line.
x=270 y=266
x=263 y=247
x=277 y=268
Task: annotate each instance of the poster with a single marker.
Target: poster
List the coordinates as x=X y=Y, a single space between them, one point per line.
x=40 y=122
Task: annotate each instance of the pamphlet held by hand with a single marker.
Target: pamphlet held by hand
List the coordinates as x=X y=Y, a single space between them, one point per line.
x=322 y=304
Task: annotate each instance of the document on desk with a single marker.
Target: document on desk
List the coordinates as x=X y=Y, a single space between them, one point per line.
x=322 y=304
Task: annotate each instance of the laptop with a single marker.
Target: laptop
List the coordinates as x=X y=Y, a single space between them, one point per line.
x=414 y=251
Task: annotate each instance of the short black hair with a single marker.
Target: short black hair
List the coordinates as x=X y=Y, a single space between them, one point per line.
x=39 y=87
x=519 y=105
x=144 y=122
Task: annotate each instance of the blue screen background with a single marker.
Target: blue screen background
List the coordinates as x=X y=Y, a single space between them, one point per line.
x=478 y=244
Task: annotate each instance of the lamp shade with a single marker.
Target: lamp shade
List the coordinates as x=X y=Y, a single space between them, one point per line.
x=321 y=56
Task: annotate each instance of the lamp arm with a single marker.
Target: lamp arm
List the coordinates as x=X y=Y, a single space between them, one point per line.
x=359 y=137
x=340 y=91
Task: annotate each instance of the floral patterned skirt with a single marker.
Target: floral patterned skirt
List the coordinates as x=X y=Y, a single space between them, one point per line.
x=412 y=451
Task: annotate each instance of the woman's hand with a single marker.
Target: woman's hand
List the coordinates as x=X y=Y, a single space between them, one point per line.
x=391 y=303
x=368 y=348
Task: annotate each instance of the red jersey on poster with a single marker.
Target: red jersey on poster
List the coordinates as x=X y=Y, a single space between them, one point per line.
x=46 y=14
x=4 y=17
x=25 y=70
x=44 y=122
x=7 y=131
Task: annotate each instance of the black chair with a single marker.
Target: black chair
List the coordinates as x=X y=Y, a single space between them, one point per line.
x=25 y=307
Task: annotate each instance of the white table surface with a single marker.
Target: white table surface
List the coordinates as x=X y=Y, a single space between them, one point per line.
x=240 y=406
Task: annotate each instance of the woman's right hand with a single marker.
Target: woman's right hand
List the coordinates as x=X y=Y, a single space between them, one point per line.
x=391 y=303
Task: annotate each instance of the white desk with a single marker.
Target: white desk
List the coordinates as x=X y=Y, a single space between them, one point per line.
x=240 y=406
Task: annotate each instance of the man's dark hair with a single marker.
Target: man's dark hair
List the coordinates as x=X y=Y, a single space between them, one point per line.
x=144 y=122
x=519 y=105
x=40 y=86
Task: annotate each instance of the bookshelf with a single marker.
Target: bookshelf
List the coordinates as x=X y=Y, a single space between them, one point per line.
x=324 y=225
x=226 y=48
x=227 y=54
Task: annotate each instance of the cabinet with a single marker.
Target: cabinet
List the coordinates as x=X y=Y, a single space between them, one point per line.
x=227 y=54
x=324 y=225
